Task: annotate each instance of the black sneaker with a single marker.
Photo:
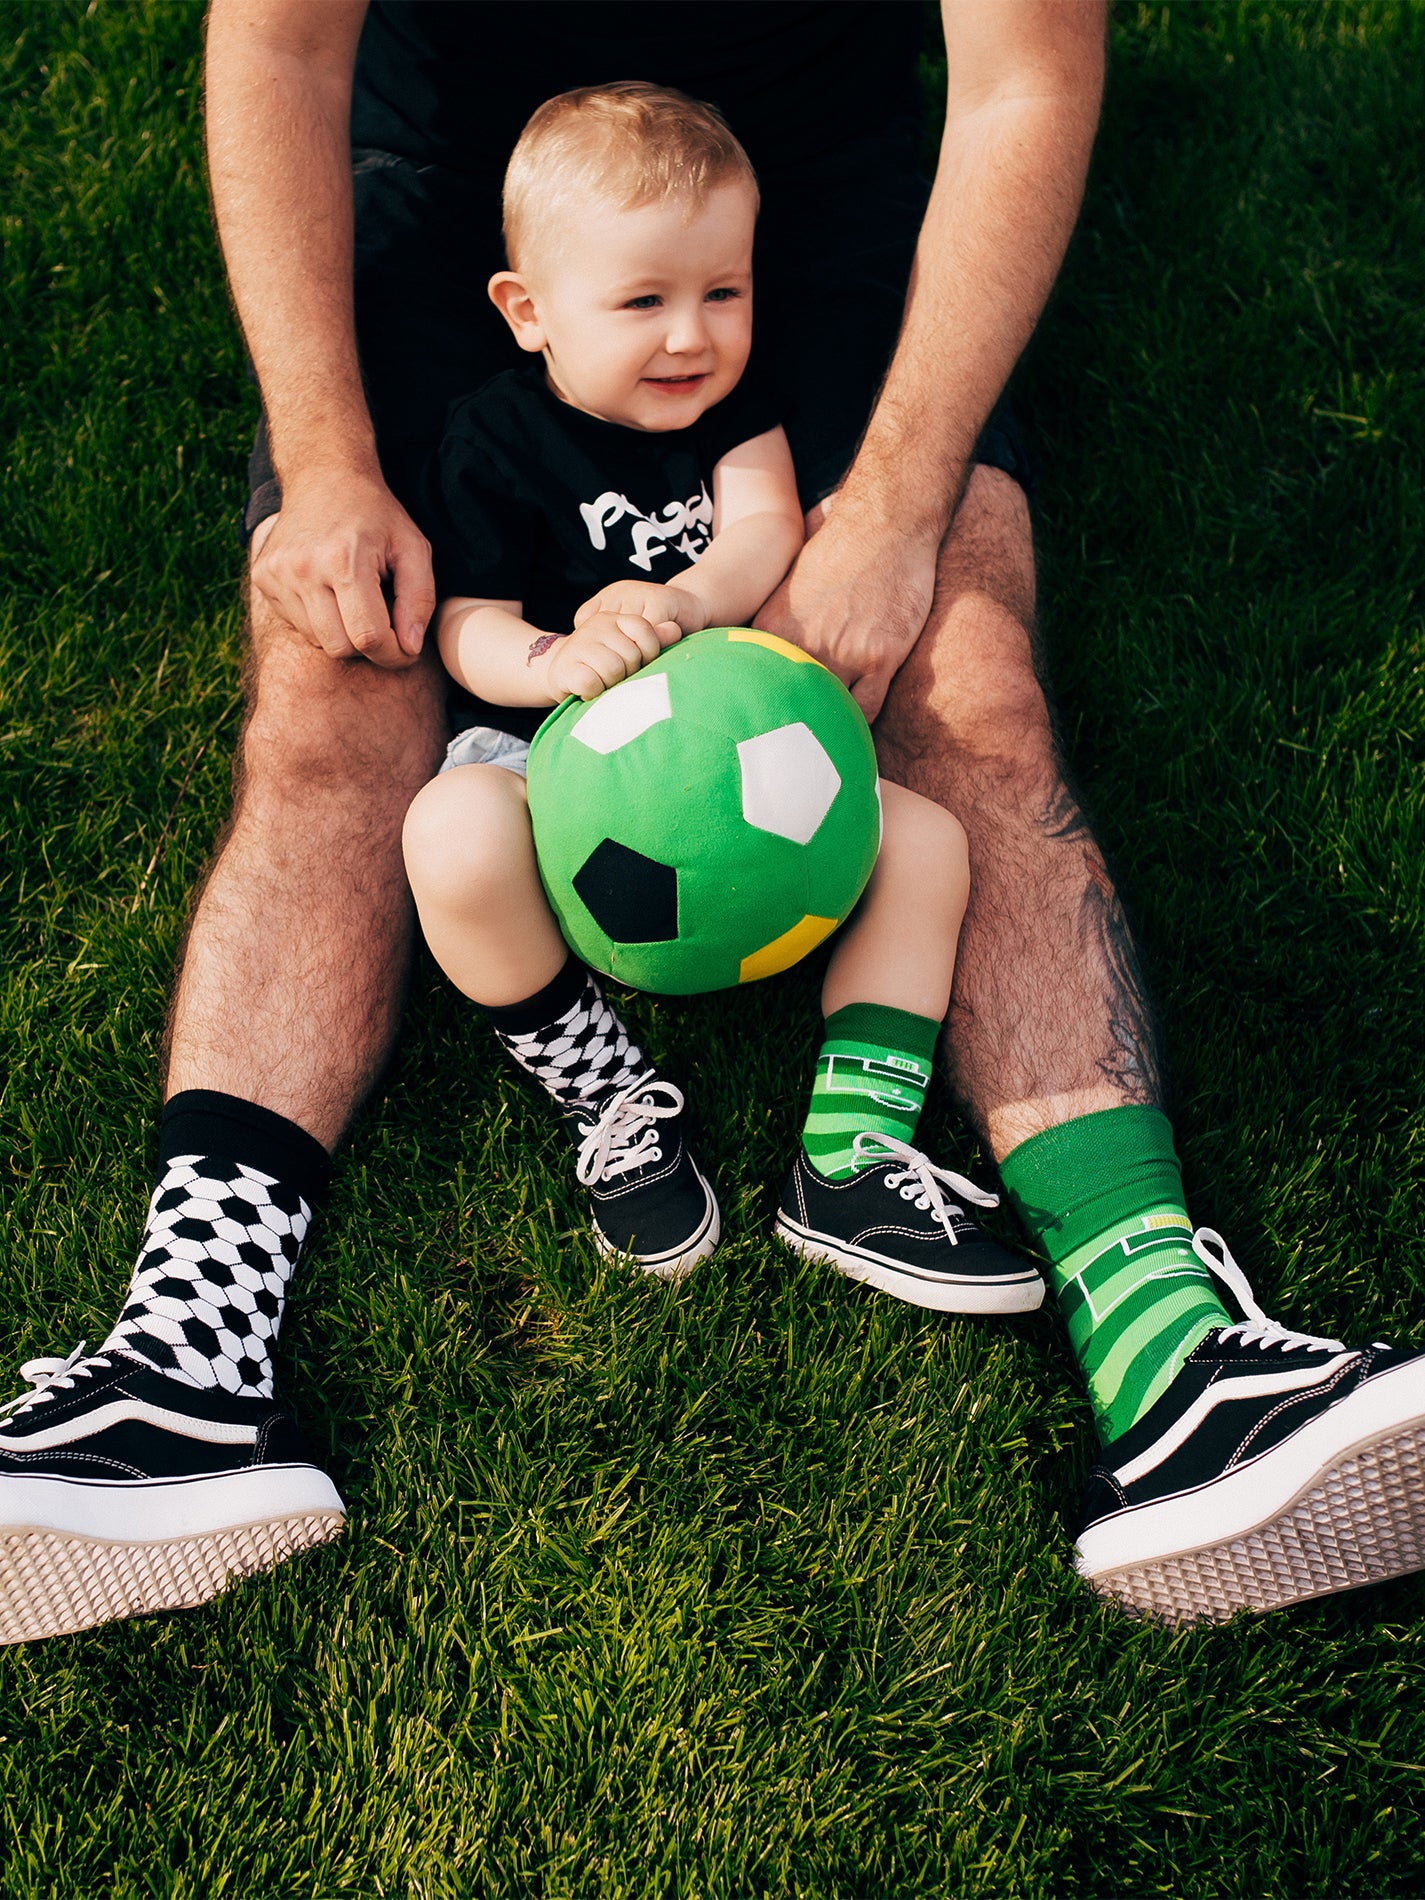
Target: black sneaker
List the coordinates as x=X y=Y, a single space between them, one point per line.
x=650 y=1203
x=893 y=1225
x=1275 y=1467
x=123 y=1492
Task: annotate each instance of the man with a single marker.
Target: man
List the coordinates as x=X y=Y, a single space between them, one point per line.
x=1244 y=1465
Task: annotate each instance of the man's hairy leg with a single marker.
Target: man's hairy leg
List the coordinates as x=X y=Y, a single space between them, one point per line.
x=1050 y=1020
x=290 y=988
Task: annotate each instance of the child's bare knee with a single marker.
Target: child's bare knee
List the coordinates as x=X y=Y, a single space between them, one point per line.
x=461 y=830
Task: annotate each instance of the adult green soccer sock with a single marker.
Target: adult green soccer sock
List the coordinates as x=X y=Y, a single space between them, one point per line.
x=1104 y=1196
x=871 y=1078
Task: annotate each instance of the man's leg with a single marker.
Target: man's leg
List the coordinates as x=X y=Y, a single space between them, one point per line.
x=1049 y=1019
x=147 y=1475
x=1245 y=1466
x=290 y=986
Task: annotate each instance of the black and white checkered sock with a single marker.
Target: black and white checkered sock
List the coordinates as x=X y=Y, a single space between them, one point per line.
x=568 y=1039
x=236 y=1189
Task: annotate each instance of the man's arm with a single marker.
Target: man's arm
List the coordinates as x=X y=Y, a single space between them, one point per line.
x=279 y=76
x=1025 y=79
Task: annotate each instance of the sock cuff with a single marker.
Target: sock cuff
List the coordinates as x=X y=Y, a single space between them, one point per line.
x=1072 y=1181
x=207 y=1122
x=884 y=1027
x=546 y=1006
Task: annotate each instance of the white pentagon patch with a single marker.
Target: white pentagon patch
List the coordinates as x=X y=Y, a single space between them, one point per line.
x=624 y=713
x=788 y=782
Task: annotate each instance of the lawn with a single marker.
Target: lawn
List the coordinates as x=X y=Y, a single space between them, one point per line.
x=761 y=1586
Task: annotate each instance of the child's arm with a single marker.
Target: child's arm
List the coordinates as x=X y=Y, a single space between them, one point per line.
x=757 y=531
x=492 y=651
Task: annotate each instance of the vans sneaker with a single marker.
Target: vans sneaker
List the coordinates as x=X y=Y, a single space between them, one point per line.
x=649 y=1201
x=123 y=1492
x=1276 y=1467
x=897 y=1223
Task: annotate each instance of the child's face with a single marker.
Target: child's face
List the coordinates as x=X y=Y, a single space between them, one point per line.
x=642 y=319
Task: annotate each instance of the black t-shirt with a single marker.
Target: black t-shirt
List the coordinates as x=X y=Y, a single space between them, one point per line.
x=529 y=499
x=452 y=82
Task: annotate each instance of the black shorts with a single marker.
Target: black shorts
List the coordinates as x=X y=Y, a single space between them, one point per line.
x=834 y=248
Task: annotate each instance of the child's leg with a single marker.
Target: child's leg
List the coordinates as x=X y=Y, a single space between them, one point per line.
x=470 y=859
x=860 y=1193
x=888 y=985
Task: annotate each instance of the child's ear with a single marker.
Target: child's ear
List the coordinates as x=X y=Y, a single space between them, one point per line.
x=511 y=296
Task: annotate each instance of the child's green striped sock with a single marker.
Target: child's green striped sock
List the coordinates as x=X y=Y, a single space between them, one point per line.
x=871 y=1077
x=1104 y=1196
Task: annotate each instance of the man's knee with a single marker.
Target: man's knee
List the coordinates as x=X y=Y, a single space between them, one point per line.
x=319 y=729
x=968 y=704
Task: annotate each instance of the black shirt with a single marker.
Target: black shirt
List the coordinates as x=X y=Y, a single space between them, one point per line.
x=531 y=500
x=452 y=82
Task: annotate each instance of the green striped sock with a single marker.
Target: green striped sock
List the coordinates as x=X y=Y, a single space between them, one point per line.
x=871 y=1077
x=1104 y=1196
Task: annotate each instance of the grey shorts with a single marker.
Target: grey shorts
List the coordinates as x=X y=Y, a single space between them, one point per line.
x=484 y=745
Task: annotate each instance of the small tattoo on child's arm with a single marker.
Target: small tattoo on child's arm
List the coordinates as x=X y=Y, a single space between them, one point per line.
x=541 y=645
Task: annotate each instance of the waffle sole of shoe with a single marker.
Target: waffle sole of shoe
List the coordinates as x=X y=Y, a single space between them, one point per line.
x=676 y=1262
x=1358 y=1519
x=61 y=1572
x=938 y=1293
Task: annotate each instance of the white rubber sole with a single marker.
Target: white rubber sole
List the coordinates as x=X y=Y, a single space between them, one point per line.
x=69 y=1558
x=1022 y=1293
x=677 y=1261
x=1339 y=1505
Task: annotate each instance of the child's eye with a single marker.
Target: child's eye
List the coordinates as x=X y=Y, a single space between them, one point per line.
x=650 y=302
x=724 y=295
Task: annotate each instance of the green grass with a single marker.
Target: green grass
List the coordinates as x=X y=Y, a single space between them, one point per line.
x=760 y=1587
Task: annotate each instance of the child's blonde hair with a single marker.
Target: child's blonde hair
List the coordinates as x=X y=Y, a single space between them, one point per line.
x=641 y=144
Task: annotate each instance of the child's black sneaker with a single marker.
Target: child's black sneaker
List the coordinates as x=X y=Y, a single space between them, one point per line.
x=895 y=1225
x=123 y=1492
x=1275 y=1467
x=650 y=1203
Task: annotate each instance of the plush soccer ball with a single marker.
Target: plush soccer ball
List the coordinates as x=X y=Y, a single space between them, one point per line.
x=711 y=819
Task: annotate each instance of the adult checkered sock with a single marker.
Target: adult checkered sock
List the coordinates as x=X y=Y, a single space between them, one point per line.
x=570 y=1041
x=871 y=1077
x=235 y=1193
x=1104 y=1196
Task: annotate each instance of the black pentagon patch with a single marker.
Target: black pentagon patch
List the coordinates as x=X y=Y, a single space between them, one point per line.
x=267 y=1303
x=287 y=1198
x=631 y=898
x=200 y=1336
x=191 y=1229
x=173 y=1197
x=236 y=1208
x=254 y=1256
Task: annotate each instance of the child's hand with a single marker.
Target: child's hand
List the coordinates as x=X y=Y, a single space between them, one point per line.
x=647 y=601
x=603 y=650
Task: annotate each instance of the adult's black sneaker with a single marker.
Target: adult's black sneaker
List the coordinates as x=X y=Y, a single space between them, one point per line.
x=123 y=1492
x=649 y=1201
x=899 y=1225
x=1276 y=1467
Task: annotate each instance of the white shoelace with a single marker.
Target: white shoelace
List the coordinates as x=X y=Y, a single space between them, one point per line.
x=919 y=1180
x=625 y=1136
x=1256 y=1329
x=49 y=1376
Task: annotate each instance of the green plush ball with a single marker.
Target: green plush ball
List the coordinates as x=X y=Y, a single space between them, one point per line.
x=711 y=819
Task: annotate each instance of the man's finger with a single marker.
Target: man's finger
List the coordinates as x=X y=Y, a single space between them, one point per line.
x=368 y=626
x=414 y=592
x=322 y=623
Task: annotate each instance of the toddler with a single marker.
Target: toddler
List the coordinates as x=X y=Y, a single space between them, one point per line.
x=628 y=487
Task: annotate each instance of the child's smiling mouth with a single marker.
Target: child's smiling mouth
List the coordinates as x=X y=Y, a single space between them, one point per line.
x=676 y=385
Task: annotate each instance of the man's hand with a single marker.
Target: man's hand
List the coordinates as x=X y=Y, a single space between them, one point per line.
x=607 y=648
x=857 y=599
x=645 y=600
x=321 y=562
